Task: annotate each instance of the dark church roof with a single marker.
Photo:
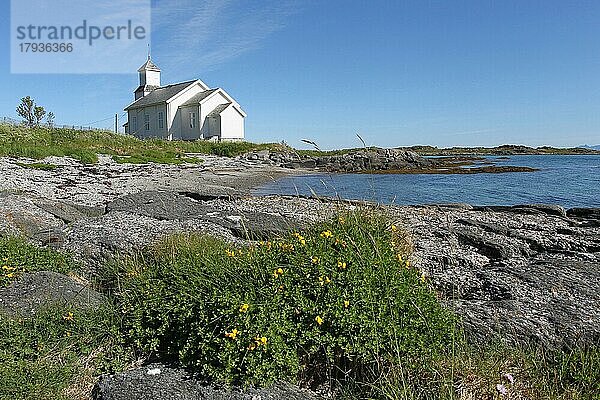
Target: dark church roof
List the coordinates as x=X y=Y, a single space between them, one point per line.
x=197 y=98
x=218 y=110
x=160 y=95
x=149 y=65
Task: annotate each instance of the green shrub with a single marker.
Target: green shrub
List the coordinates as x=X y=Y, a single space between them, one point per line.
x=17 y=257
x=338 y=302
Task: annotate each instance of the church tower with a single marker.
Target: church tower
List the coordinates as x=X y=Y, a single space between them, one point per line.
x=149 y=79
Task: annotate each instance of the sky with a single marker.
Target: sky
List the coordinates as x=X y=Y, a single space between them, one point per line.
x=397 y=73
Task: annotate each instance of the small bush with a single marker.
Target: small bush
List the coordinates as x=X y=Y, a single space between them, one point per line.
x=334 y=303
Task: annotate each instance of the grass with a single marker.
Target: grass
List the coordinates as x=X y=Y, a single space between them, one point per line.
x=18 y=257
x=337 y=306
x=58 y=352
x=38 y=143
x=38 y=166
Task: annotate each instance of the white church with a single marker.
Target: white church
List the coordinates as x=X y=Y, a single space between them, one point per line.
x=182 y=111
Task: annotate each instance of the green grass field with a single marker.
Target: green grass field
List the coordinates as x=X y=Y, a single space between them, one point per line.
x=38 y=143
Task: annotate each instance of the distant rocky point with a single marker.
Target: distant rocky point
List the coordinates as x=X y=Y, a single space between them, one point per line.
x=379 y=161
x=585 y=146
x=504 y=150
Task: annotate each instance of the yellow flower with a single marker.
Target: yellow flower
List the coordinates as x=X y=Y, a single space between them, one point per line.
x=244 y=307
x=233 y=334
x=324 y=280
x=342 y=220
x=342 y=265
x=326 y=234
x=394 y=228
x=407 y=264
x=346 y=303
x=300 y=238
x=423 y=277
x=319 y=320
x=251 y=346
x=230 y=253
x=315 y=260
x=278 y=272
x=68 y=316
x=258 y=341
x=11 y=275
x=286 y=246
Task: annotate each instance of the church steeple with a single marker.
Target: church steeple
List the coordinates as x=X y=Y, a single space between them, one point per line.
x=149 y=78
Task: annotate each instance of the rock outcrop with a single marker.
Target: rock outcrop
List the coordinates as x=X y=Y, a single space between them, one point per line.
x=38 y=290
x=351 y=161
x=378 y=160
x=160 y=382
x=523 y=273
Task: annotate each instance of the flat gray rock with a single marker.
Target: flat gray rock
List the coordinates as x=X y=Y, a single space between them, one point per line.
x=159 y=382
x=20 y=216
x=182 y=207
x=34 y=291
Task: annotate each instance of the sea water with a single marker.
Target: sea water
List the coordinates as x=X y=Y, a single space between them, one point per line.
x=567 y=180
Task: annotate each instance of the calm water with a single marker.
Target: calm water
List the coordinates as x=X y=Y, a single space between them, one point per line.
x=571 y=181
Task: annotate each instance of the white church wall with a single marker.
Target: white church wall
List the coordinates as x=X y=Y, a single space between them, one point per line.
x=175 y=124
x=232 y=125
x=206 y=108
x=189 y=132
x=139 y=116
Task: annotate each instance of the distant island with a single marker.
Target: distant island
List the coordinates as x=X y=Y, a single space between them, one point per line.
x=585 y=146
x=504 y=150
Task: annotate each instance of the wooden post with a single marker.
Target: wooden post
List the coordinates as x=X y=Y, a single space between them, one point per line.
x=116 y=123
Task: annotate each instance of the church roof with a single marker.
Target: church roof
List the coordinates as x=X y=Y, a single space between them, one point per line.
x=218 y=110
x=149 y=65
x=197 y=98
x=160 y=95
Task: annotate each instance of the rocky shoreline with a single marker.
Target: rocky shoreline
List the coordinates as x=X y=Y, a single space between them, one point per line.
x=521 y=274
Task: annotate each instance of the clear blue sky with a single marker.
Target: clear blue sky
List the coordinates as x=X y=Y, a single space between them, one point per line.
x=398 y=72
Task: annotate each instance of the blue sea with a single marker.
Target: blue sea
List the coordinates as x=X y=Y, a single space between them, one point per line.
x=570 y=181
